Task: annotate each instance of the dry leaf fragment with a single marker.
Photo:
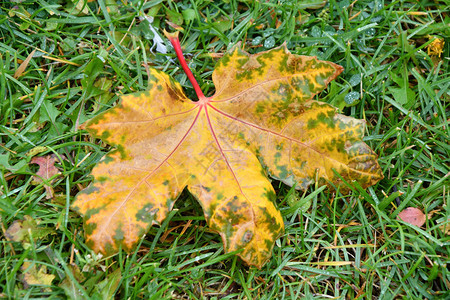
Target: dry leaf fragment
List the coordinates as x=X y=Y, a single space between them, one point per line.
x=413 y=216
x=33 y=275
x=23 y=66
x=261 y=121
x=46 y=171
x=22 y=230
x=436 y=47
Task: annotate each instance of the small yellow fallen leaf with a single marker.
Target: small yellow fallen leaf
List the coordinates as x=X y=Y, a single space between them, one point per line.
x=436 y=47
x=35 y=276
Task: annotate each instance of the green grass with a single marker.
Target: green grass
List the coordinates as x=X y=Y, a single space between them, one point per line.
x=334 y=246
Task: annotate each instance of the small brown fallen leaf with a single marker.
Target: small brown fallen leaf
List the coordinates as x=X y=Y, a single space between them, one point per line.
x=413 y=216
x=23 y=66
x=46 y=171
x=35 y=276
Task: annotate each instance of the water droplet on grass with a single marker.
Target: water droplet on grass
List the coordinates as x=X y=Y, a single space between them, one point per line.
x=268 y=32
x=371 y=31
x=256 y=41
x=269 y=42
x=351 y=98
x=316 y=32
x=355 y=80
x=376 y=19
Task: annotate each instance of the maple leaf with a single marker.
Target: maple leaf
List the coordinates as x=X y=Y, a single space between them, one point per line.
x=261 y=121
x=46 y=171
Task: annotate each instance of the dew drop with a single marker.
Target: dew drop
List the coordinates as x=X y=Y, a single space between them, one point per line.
x=316 y=32
x=269 y=42
x=371 y=31
x=355 y=80
x=351 y=97
x=256 y=41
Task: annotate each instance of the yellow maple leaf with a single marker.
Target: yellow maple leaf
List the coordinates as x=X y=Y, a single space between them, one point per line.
x=261 y=121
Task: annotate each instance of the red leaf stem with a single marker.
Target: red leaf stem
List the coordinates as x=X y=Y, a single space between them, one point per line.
x=173 y=38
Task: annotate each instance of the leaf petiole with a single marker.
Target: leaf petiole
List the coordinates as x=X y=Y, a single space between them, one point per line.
x=173 y=38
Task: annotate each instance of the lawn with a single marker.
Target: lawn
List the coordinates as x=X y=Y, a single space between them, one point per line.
x=63 y=62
